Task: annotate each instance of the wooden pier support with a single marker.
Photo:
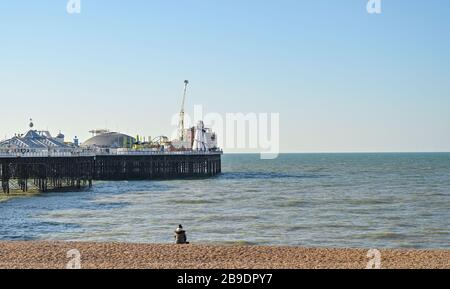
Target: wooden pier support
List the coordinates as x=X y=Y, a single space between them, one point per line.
x=55 y=173
x=149 y=167
x=45 y=173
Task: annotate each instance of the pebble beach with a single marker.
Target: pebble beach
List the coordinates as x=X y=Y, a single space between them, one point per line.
x=54 y=255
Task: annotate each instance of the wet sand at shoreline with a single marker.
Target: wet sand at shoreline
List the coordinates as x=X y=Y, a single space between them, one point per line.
x=31 y=254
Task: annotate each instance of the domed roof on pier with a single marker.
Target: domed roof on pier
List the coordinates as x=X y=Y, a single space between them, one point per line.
x=110 y=140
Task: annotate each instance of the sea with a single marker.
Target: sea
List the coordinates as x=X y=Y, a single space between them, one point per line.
x=378 y=200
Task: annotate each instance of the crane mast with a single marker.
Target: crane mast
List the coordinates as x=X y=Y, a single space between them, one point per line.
x=181 y=132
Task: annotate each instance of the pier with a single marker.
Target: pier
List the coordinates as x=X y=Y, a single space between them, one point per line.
x=38 y=161
x=24 y=172
x=176 y=165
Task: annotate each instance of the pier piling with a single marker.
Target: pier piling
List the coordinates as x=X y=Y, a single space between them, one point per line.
x=55 y=173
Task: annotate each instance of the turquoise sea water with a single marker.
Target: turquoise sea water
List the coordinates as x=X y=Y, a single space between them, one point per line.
x=314 y=200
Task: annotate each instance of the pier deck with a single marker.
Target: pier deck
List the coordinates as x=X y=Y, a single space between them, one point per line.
x=53 y=172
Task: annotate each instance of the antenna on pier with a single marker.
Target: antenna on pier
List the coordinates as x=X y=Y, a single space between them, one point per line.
x=181 y=132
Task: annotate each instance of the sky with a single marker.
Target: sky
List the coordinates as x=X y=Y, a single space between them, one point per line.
x=342 y=80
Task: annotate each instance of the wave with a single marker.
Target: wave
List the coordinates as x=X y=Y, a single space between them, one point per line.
x=108 y=205
x=291 y=204
x=367 y=201
x=18 y=238
x=380 y=236
x=193 y=201
x=227 y=218
x=266 y=175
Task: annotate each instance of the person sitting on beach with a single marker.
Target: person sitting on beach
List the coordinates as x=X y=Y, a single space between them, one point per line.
x=180 y=235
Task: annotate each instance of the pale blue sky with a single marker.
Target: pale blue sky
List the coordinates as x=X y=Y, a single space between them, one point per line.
x=341 y=79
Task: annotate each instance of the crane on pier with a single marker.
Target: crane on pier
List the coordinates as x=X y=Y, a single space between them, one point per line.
x=181 y=131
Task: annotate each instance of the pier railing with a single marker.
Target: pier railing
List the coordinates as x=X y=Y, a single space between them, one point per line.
x=46 y=154
x=93 y=154
x=145 y=153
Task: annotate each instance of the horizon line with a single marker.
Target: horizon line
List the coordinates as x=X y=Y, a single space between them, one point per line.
x=346 y=152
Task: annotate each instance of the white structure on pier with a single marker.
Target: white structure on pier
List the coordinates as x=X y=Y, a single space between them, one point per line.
x=107 y=139
x=35 y=141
